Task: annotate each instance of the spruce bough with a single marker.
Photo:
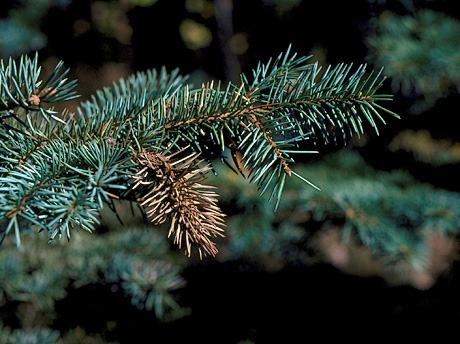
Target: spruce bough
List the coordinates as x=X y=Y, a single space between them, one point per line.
x=151 y=139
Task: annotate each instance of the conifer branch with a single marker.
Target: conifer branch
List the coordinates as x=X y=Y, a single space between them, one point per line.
x=151 y=139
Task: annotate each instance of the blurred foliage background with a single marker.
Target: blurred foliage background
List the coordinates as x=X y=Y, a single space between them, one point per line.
x=126 y=282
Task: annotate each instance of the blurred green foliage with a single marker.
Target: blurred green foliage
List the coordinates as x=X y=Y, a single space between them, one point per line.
x=31 y=336
x=21 y=30
x=420 y=53
x=389 y=213
x=423 y=147
x=133 y=261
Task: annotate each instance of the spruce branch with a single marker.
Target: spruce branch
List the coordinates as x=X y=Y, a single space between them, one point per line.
x=21 y=88
x=152 y=139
